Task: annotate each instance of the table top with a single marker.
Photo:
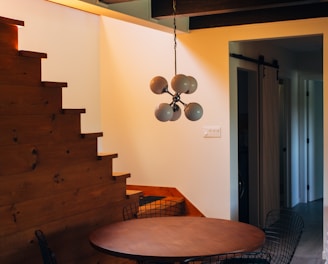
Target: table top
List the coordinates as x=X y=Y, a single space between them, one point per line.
x=175 y=238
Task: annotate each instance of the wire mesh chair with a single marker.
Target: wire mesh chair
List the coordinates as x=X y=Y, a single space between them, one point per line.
x=283 y=230
x=159 y=208
x=130 y=211
x=48 y=255
x=234 y=258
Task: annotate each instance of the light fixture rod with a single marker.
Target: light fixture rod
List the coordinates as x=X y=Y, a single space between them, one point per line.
x=175 y=35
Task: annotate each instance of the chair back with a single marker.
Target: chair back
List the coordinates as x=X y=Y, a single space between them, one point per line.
x=283 y=229
x=47 y=255
x=233 y=258
x=158 y=208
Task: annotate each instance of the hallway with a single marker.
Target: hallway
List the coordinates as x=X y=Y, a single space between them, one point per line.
x=309 y=250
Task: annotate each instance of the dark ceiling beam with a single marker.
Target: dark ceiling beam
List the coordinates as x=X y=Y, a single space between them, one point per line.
x=260 y=16
x=164 y=8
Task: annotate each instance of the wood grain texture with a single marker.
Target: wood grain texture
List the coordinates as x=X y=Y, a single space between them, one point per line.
x=51 y=176
x=176 y=238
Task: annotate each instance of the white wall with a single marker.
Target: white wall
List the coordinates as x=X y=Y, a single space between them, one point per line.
x=71 y=40
x=176 y=154
x=164 y=154
x=161 y=154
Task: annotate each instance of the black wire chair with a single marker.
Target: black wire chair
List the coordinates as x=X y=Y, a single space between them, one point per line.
x=48 y=255
x=234 y=258
x=283 y=230
x=159 y=208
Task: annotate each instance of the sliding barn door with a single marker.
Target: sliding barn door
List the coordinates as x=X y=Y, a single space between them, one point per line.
x=255 y=97
x=269 y=140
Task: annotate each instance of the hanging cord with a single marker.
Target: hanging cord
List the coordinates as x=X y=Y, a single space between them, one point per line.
x=175 y=35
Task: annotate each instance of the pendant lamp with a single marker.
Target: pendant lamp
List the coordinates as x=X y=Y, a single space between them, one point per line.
x=181 y=84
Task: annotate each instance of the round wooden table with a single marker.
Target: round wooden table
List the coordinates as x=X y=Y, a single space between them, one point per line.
x=175 y=238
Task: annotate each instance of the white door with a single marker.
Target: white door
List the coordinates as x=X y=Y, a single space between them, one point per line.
x=315 y=139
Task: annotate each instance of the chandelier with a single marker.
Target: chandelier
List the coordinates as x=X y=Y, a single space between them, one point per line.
x=180 y=84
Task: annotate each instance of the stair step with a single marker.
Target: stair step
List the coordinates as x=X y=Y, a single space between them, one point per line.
x=29 y=100
x=130 y=193
x=39 y=128
x=121 y=175
x=73 y=111
x=54 y=84
x=107 y=155
x=92 y=135
x=19 y=70
x=8 y=39
x=32 y=54
x=10 y=21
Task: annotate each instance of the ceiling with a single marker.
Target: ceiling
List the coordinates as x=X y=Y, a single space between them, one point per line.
x=217 y=13
x=201 y=14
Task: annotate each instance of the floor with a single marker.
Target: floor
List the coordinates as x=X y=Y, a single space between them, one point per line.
x=309 y=250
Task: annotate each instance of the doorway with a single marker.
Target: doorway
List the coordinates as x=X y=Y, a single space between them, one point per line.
x=291 y=164
x=247 y=145
x=258 y=140
x=313 y=90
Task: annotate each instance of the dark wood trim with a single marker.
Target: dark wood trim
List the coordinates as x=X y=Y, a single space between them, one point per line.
x=161 y=8
x=260 y=16
x=9 y=21
x=54 y=84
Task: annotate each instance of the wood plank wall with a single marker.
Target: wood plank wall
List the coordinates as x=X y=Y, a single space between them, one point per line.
x=51 y=176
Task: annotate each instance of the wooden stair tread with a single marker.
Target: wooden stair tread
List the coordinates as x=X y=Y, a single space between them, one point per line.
x=32 y=54
x=73 y=111
x=103 y=155
x=130 y=193
x=53 y=84
x=124 y=175
x=133 y=192
x=10 y=21
x=92 y=135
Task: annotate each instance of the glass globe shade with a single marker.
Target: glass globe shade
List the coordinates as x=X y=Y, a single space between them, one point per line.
x=192 y=85
x=158 y=85
x=176 y=113
x=164 y=112
x=180 y=83
x=193 y=111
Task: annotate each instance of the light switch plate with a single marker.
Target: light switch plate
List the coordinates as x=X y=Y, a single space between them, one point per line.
x=212 y=131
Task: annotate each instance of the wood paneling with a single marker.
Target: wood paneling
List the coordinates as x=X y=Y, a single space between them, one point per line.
x=20 y=70
x=269 y=137
x=51 y=176
x=30 y=100
x=8 y=38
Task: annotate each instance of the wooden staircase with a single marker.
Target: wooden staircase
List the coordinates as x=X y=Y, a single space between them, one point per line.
x=51 y=176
